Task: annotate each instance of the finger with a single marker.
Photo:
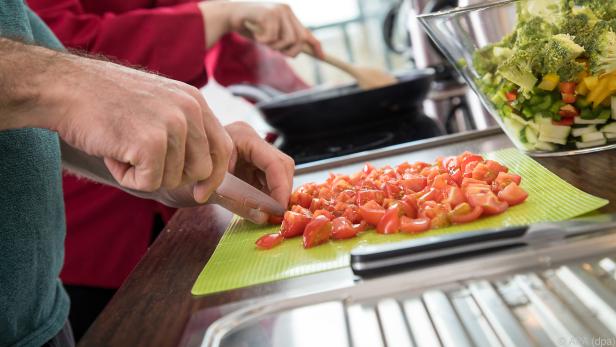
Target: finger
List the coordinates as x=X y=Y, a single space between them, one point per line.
x=315 y=44
x=300 y=37
x=198 y=162
x=269 y=32
x=141 y=169
x=287 y=35
x=221 y=148
x=176 y=152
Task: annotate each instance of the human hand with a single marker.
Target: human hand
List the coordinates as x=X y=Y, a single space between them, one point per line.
x=278 y=27
x=260 y=164
x=152 y=132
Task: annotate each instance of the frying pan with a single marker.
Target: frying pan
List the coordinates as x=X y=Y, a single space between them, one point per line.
x=317 y=109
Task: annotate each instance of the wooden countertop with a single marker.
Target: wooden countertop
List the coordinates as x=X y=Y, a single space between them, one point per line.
x=154 y=304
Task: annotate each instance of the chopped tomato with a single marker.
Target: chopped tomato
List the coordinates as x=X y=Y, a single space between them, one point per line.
x=414 y=183
x=372 y=212
x=464 y=213
x=513 y=194
x=567 y=87
x=432 y=194
x=569 y=98
x=301 y=198
x=365 y=195
x=302 y=210
x=342 y=229
x=406 y=209
x=360 y=227
x=468 y=169
x=390 y=223
x=432 y=209
x=440 y=221
x=487 y=172
x=293 y=224
x=503 y=179
x=488 y=201
x=468 y=158
x=454 y=196
x=274 y=219
x=269 y=241
x=568 y=111
x=414 y=226
x=512 y=95
x=392 y=190
x=564 y=122
x=352 y=213
x=317 y=231
x=325 y=213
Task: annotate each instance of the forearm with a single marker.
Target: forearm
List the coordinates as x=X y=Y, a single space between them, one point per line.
x=215 y=16
x=24 y=70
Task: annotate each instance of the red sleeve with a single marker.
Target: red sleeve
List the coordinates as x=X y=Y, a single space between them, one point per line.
x=235 y=59
x=168 y=40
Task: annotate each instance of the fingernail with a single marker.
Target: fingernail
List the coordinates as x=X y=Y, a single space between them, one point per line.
x=257 y=217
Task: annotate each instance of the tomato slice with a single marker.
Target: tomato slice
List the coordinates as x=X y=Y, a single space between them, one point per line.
x=564 y=122
x=433 y=194
x=414 y=226
x=301 y=210
x=454 y=196
x=464 y=213
x=293 y=224
x=567 y=87
x=343 y=229
x=413 y=183
x=484 y=173
x=325 y=213
x=372 y=212
x=467 y=158
x=390 y=223
x=511 y=95
x=365 y=195
x=513 y=194
x=317 y=231
x=503 y=179
x=488 y=201
x=568 y=111
x=468 y=169
x=269 y=241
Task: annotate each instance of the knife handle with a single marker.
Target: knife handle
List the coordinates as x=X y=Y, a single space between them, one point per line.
x=373 y=260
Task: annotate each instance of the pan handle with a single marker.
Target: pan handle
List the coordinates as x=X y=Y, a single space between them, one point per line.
x=254 y=93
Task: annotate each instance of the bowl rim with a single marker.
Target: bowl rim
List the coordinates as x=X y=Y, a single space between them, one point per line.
x=469 y=8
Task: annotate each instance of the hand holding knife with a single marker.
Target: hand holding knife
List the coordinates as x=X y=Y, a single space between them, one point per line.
x=245 y=200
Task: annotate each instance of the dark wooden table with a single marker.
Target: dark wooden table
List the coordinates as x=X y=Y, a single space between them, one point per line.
x=154 y=305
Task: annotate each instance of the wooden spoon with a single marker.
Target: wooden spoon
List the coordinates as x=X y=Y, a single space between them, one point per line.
x=367 y=78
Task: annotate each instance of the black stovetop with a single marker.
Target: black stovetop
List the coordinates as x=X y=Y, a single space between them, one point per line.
x=332 y=143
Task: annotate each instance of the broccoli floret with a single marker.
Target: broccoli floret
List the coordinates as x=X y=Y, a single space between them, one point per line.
x=581 y=27
x=487 y=59
x=533 y=31
x=518 y=69
x=551 y=10
x=603 y=9
x=603 y=60
x=558 y=56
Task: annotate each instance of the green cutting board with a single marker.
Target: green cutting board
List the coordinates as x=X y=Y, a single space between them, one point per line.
x=237 y=263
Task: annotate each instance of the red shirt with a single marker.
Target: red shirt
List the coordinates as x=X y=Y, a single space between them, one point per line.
x=108 y=231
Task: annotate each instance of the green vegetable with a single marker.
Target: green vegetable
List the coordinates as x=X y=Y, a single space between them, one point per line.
x=559 y=56
x=603 y=60
x=518 y=70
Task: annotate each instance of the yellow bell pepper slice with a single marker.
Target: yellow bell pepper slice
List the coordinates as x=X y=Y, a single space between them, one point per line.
x=591 y=82
x=600 y=87
x=605 y=92
x=582 y=89
x=549 y=82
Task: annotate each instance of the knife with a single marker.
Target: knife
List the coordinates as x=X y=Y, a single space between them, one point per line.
x=242 y=198
x=372 y=260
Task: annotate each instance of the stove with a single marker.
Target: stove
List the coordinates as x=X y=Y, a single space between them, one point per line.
x=305 y=148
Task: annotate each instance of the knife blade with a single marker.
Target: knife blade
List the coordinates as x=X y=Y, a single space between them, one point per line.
x=234 y=193
x=370 y=260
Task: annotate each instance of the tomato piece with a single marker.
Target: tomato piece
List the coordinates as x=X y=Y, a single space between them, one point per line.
x=432 y=194
x=495 y=167
x=471 y=181
x=352 y=213
x=275 y=220
x=454 y=196
x=413 y=183
x=414 y=226
x=464 y=213
x=368 y=168
x=371 y=212
x=567 y=87
x=513 y=194
x=569 y=98
x=301 y=210
x=432 y=209
x=483 y=173
x=317 y=231
x=320 y=204
x=301 y=198
x=342 y=229
x=467 y=158
x=360 y=227
x=269 y=241
x=511 y=95
x=440 y=221
x=563 y=122
x=441 y=181
x=390 y=223
x=406 y=209
x=569 y=111
x=488 y=201
x=503 y=180
x=325 y=213
x=293 y=224
x=347 y=196
x=365 y=195
x=468 y=169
